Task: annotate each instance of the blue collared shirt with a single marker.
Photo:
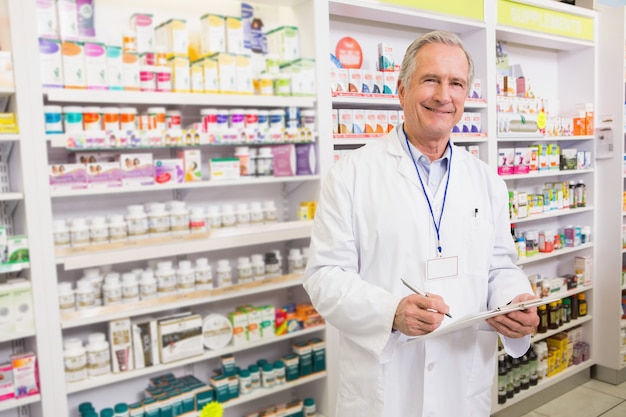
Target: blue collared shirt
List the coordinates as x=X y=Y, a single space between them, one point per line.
x=432 y=172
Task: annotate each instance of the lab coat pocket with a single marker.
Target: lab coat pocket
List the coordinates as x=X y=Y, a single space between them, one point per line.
x=477 y=246
x=483 y=364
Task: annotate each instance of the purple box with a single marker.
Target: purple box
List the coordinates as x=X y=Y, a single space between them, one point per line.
x=137 y=169
x=67 y=176
x=104 y=175
x=167 y=171
x=306 y=159
x=284 y=160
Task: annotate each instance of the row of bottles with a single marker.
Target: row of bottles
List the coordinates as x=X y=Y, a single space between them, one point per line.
x=557 y=313
x=517 y=374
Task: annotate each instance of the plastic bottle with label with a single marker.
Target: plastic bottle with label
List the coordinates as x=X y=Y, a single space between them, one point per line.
x=581 y=194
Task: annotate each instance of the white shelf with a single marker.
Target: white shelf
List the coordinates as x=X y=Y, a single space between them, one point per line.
x=553 y=254
x=11 y=196
x=15 y=336
x=517 y=138
x=182 y=186
x=111 y=378
x=6 y=91
x=572 y=323
x=545 y=383
x=14 y=404
x=379 y=101
x=552 y=213
x=546 y=173
x=227 y=238
x=61 y=95
x=9 y=137
x=107 y=313
x=16 y=267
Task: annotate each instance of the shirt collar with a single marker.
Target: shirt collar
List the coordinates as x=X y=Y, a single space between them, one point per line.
x=419 y=156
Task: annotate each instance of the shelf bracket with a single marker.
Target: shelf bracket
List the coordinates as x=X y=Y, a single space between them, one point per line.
x=23 y=411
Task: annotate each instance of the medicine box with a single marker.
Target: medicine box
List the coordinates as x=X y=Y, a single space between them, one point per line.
x=239 y=321
x=7 y=323
x=213 y=34
x=506 y=157
x=143 y=26
x=174 y=35
x=7 y=391
x=180 y=337
x=47 y=22
x=168 y=171
x=284 y=43
x=358 y=121
x=345 y=121
x=120 y=339
x=243 y=74
x=25 y=374
x=73 y=56
x=104 y=175
x=67 y=19
x=96 y=66
x=22 y=305
x=224 y=168
x=137 y=169
x=226 y=72
x=284 y=160
x=67 y=176
x=305 y=354
x=179 y=67
x=559 y=341
x=306 y=159
x=130 y=71
x=234 y=35
x=192 y=164
x=145 y=342
x=355 y=80
x=115 y=79
x=209 y=74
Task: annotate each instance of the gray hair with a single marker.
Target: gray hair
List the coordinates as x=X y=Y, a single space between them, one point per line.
x=438 y=36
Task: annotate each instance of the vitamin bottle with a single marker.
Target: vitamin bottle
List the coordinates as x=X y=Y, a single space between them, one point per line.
x=112 y=289
x=98 y=230
x=75 y=360
x=255 y=376
x=137 y=223
x=270 y=212
x=118 y=231
x=309 y=408
x=185 y=277
x=268 y=379
x=79 y=233
x=203 y=274
x=166 y=278
x=295 y=261
x=84 y=294
x=158 y=220
x=61 y=234
x=179 y=218
x=66 y=296
x=542 y=311
x=566 y=310
x=510 y=391
x=130 y=288
x=98 y=355
x=258 y=266
x=502 y=379
x=197 y=220
x=272 y=266
x=582 y=305
x=256 y=212
x=572 y=195
x=581 y=194
x=229 y=218
x=553 y=316
x=214 y=217
x=243 y=214
x=279 y=372
x=224 y=273
x=147 y=285
x=245 y=382
x=244 y=270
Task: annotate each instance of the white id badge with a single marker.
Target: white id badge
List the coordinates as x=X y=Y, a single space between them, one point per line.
x=447 y=267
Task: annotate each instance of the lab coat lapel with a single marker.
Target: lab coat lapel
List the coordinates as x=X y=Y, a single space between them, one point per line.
x=404 y=164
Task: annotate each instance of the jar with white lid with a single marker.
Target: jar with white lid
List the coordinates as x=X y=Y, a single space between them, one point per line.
x=112 y=289
x=84 y=296
x=130 y=288
x=137 y=222
x=73 y=119
x=179 y=218
x=53 y=119
x=97 y=280
x=258 y=266
x=243 y=154
x=197 y=220
x=243 y=214
x=244 y=270
x=209 y=120
x=158 y=220
x=270 y=212
x=236 y=119
x=295 y=261
x=79 y=233
x=256 y=212
x=98 y=230
x=214 y=217
x=307 y=119
x=98 y=355
x=157 y=118
x=173 y=119
x=277 y=119
x=128 y=118
x=75 y=360
x=147 y=285
x=61 y=234
x=229 y=218
x=166 y=278
x=224 y=273
x=185 y=277
x=111 y=118
x=265 y=162
x=203 y=274
x=118 y=231
x=66 y=296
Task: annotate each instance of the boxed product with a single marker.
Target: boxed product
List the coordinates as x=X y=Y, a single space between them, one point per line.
x=67 y=176
x=96 y=66
x=168 y=171
x=192 y=164
x=121 y=339
x=7 y=390
x=234 y=35
x=7 y=323
x=73 y=55
x=239 y=321
x=226 y=72
x=67 y=19
x=224 y=168
x=306 y=159
x=213 y=34
x=145 y=342
x=180 y=337
x=25 y=374
x=137 y=169
x=130 y=71
x=22 y=305
x=180 y=68
x=143 y=26
x=115 y=79
x=305 y=354
x=243 y=74
x=284 y=160
x=104 y=175
x=174 y=35
x=506 y=158
x=283 y=42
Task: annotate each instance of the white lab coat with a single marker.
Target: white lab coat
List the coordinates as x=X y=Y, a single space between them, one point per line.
x=373 y=226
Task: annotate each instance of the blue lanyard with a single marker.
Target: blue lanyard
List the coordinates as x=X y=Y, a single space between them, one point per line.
x=445 y=193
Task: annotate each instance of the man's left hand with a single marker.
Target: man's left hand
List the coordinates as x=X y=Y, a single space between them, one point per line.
x=519 y=323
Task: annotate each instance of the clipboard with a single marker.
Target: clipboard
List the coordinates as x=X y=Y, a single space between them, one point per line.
x=484 y=315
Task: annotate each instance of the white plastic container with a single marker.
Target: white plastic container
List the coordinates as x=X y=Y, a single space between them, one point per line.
x=243 y=153
x=54 y=121
x=244 y=270
x=128 y=118
x=203 y=274
x=73 y=119
x=137 y=223
x=61 y=234
x=277 y=119
x=295 y=261
x=147 y=285
x=179 y=218
x=158 y=220
x=236 y=119
x=130 y=288
x=243 y=214
x=214 y=217
x=224 y=273
x=265 y=162
x=75 y=360
x=92 y=118
x=66 y=296
x=111 y=118
x=97 y=280
x=185 y=277
x=112 y=289
x=79 y=233
x=197 y=220
x=258 y=267
x=229 y=218
x=270 y=213
x=307 y=119
x=256 y=212
x=98 y=230
x=84 y=296
x=98 y=355
x=118 y=230
x=166 y=278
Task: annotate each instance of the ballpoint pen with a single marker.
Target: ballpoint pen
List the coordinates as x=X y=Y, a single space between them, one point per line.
x=417 y=291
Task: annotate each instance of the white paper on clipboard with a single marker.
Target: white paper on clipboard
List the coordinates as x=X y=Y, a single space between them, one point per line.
x=478 y=317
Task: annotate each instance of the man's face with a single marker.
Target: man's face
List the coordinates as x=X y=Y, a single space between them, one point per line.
x=434 y=101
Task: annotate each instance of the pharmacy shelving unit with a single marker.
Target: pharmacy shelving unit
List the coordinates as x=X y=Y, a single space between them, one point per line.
x=611 y=259
x=111 y=19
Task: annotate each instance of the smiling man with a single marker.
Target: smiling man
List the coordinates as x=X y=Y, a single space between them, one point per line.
x=415 y=206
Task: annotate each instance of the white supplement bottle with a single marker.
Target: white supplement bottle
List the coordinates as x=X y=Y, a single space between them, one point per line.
x=75 y=360
x=265 y=162
x=214 y=217
x=309 y=407
x=98 y=230
x=147 y=285
x=61 y=234
x=179 y=218
x=203 y=274
x=197 y=220
x=84 y=295
x=270 y=213
x=98 y=355
x=229 y=218
x=256 y=212
x=66 y=296
x=243 y=214
x=244 y=270
x=224 y=273
x=79 y=233
x=130 y=288
x=137 y=223
x=158 y=220
x=295 y=261
x=94 y=276
x=258 y=267
x=166 y=278
x=185 y=277
x=118 y=231
x=112 y=289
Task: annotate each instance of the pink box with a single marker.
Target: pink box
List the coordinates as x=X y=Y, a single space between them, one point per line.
x=25 y=374
x=7 y=391
x=137 y=169
x=284 y=160
x=67 y=176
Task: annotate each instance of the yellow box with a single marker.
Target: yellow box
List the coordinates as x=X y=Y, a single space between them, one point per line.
x=243 y=74
x=213 y=34
x=174 y=35
x=310 y=207
x=180 y=74
x=559 y=342
x=197 y=77
x=553 y=354
x=226 y=72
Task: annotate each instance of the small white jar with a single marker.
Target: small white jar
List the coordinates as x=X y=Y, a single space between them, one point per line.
x=75 y=360
x=84 y=296
x=98 y=230
x=214 y=217
x=258 y=266
x=147 y=285
x=158 y=220
x=137 y=222
x=118 y=231
x=270 y=213
x=224 y=273
x=166 y=278
x=112 y=289
x=243 y=214
x=256 y=212
x=66 y=296
x=295 y=261
x=185 y=277
x=130 y=288
x=244 y=270
x=179 y=218
x=203 y=274
x=197 y=220
x=61 y=234
x=79 y=233
x=229 y=218
x=98 y=355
